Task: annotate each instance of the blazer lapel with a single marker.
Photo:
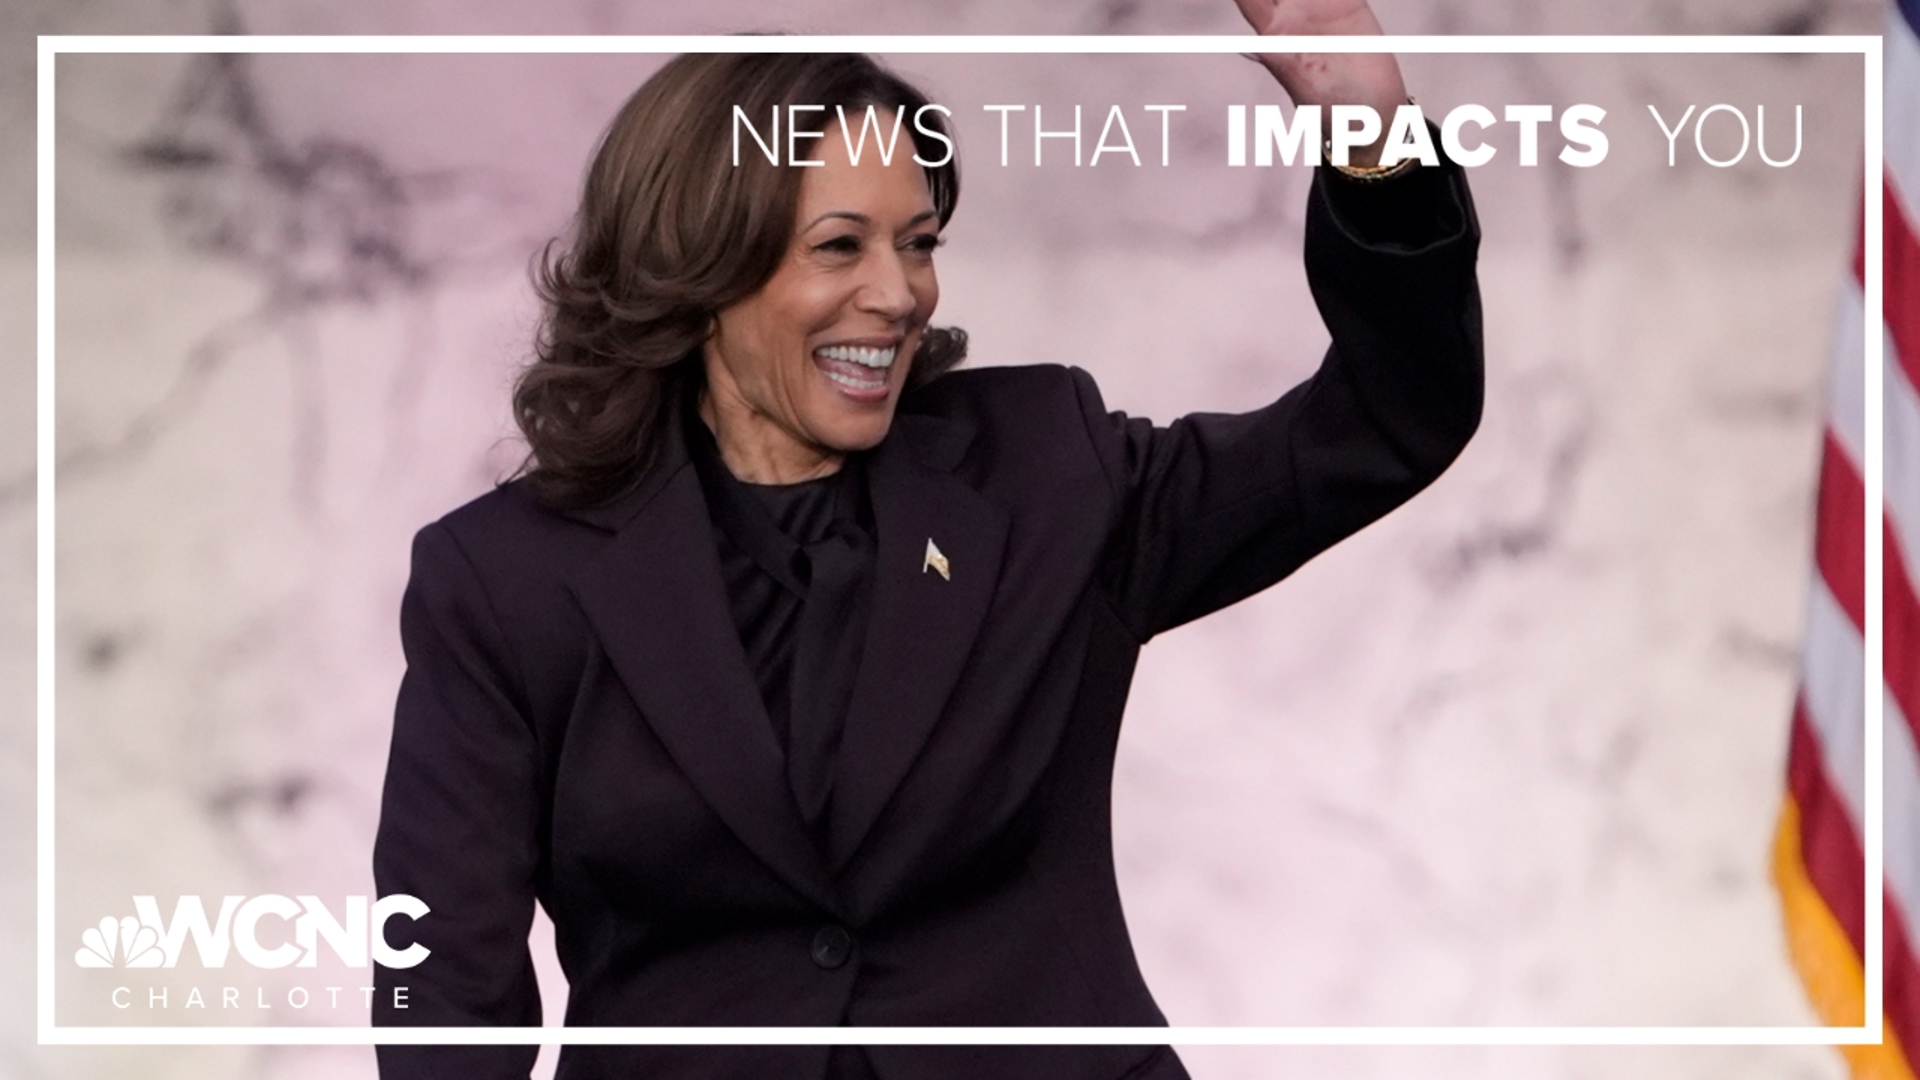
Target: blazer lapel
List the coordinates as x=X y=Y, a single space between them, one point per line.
x=656 y=599
x=922 y=622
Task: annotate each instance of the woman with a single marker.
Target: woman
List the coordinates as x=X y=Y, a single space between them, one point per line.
x=788 y=678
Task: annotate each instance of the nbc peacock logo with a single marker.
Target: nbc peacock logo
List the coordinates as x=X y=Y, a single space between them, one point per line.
x=122 y=942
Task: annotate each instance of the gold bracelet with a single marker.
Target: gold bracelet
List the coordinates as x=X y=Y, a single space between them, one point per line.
x=1373 y=174
x=1368 y=174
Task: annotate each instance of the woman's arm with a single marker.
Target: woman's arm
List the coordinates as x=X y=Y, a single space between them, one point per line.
x=1215 y=507
x=459 y=824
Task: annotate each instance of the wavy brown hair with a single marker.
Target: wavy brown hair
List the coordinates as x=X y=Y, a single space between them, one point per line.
x=668 y=233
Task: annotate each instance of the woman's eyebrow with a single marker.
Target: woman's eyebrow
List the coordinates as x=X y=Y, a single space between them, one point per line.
x=865 y=221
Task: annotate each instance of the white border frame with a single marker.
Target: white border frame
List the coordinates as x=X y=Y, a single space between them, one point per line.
x=1869 y=47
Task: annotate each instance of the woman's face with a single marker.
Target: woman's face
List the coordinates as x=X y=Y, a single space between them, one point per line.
x=810 y=367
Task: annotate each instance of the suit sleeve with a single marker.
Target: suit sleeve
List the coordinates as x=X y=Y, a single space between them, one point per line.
x=459 y=825
x=1214 y=508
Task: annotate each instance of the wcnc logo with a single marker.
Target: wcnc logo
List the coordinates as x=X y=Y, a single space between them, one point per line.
x=145 y=940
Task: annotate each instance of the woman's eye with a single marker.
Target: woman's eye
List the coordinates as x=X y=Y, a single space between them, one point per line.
x=840 y=245
x=925 y=243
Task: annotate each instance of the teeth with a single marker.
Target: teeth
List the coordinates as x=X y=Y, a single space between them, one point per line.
x=873 y=358
x=857 y=384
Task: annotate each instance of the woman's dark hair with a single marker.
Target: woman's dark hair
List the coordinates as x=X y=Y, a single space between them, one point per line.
x=669 y=232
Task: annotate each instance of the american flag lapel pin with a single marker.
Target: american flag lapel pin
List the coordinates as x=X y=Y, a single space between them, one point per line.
x=936 y=562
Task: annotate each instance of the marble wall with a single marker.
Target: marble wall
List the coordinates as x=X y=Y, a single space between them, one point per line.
x=1511 y=756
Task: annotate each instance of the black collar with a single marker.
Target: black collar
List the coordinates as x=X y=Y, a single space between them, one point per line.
x=745 y=512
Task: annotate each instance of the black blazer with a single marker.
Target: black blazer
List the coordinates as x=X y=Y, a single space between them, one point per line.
x=577 y=723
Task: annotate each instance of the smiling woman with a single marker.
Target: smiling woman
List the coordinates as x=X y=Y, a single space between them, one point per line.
x=788 y=677
x=804 y=371
x=674 y=241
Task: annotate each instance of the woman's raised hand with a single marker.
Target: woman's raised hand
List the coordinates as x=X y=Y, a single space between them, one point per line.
x=1329 y=78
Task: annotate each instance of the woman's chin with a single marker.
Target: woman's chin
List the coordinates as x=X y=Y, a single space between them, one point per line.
x=873 y=435
x=852 y=434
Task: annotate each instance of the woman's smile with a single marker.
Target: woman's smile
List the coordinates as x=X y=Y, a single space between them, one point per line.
x=859 y=370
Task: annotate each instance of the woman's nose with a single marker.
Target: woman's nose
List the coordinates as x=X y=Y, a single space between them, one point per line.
x=886 y=291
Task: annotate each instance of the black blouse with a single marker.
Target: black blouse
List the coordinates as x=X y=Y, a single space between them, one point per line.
x=797 y=560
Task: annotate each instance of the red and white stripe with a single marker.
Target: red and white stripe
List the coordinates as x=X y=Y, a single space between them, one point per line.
x=1826 y=761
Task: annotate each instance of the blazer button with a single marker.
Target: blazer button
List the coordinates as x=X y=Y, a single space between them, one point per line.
x=832 y=945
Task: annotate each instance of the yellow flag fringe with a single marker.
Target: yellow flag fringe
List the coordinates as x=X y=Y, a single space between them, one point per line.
x=1828 y=966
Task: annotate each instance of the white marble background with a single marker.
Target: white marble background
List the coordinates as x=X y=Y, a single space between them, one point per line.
x=1510 y=757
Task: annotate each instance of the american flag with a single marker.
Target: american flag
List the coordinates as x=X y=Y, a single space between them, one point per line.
x=1818 y=863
